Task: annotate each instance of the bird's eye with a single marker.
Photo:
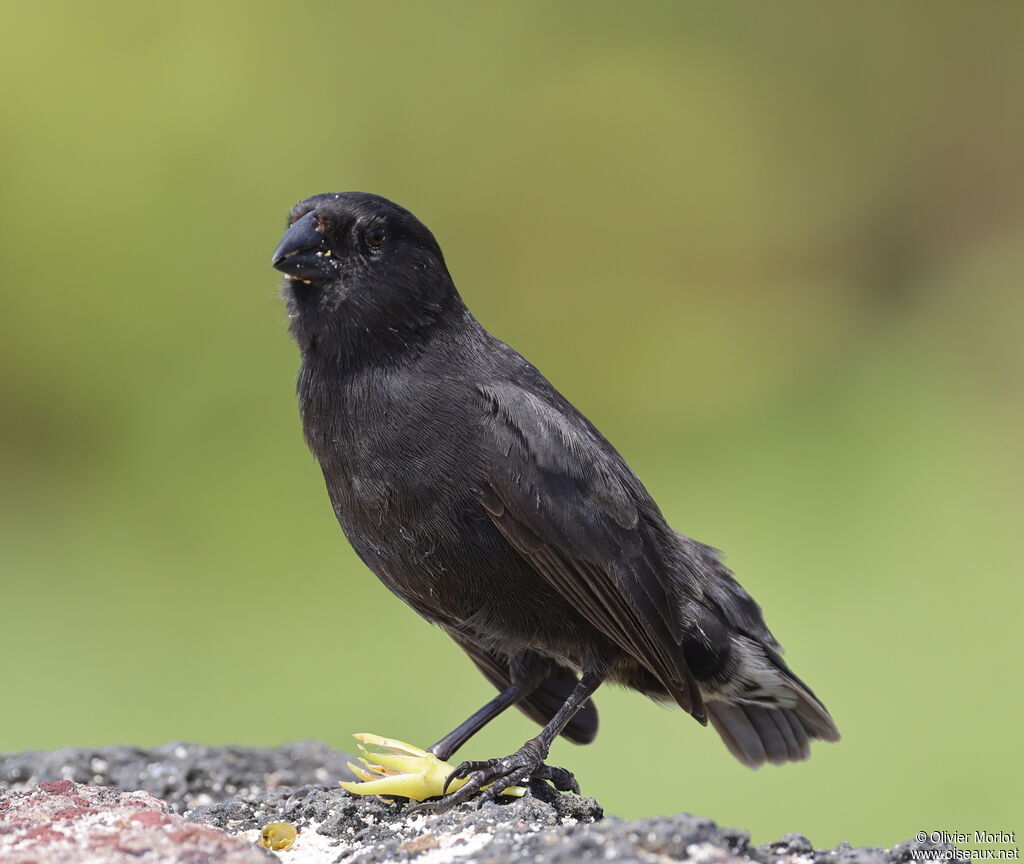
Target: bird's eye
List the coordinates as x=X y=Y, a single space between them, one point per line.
x=375 y=236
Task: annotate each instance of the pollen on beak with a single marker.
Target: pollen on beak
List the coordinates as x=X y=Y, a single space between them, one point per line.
x=302 y=253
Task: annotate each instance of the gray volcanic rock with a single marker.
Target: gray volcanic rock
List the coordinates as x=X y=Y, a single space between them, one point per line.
x=61 y=821
x=183 y=775
x=229 y=793
x=371 y=829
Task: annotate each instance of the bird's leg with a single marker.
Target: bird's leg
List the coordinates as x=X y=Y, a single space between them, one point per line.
x=451 y=742
x=526 y=762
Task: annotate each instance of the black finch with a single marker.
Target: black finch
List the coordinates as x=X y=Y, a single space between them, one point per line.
x=481 y=497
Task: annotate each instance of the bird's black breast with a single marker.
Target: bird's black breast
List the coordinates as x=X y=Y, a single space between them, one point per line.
x=402 y=461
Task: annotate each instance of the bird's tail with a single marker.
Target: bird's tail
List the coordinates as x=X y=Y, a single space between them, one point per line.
x=772 y=716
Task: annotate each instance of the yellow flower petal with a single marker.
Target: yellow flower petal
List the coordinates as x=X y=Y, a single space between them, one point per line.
x=400 y=764
x=403 y=769
x=389 y=744
x=361 y=773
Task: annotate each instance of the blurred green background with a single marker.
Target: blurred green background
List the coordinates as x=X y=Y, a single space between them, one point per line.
x=774 y=251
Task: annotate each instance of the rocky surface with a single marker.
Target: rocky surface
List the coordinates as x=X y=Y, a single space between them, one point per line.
x=183 y=775
x=61 y=821
x=226 y=795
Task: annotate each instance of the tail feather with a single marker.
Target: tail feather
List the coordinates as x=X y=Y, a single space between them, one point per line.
x=738 y=732
x=803 y=743
x=791 y=745
x=814 y=717
x=756 y=734
x=764 y=713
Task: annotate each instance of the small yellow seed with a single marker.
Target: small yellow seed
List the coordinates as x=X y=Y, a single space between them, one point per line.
x=277 y=836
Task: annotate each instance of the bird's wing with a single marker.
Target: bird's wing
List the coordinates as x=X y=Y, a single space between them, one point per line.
x=543 y=703
x=568 y=503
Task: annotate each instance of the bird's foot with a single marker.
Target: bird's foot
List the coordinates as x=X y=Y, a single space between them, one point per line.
x=493 y=777
x=395 y=768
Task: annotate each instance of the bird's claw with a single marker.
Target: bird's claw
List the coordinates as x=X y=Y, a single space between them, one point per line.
x=561 y=778
x=495 y=777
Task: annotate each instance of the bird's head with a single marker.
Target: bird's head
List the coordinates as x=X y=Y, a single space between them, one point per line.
x=360 y=270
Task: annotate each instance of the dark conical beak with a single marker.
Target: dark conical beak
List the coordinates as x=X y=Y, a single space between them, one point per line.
x=302 y=252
